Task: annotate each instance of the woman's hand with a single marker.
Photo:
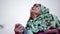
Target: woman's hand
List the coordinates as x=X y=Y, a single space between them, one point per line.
x=52 y=31
x=19 y=29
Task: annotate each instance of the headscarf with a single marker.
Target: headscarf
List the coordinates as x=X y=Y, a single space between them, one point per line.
x=43 y=22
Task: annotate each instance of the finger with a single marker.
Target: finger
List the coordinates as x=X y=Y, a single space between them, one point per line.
x=20 y=27
x=19 y=30
x=17 y=25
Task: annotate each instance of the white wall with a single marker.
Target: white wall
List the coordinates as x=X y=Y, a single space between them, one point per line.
x=17 y=11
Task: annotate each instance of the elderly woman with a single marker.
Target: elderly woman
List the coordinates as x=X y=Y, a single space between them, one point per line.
x=40 y=22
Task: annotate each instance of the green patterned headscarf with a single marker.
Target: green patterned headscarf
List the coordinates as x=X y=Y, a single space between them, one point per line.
x=43 y=22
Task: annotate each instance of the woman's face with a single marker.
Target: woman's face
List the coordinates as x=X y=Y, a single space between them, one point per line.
x=35 y=10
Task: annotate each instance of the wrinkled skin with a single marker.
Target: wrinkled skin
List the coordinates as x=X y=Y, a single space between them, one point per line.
x=19 y=29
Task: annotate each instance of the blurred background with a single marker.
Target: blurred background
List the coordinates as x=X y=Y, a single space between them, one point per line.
x=18 y=11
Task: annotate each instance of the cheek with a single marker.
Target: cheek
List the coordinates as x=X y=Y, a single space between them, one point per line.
x=38 y=11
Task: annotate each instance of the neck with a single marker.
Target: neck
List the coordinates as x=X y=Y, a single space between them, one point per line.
x=33 y=17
